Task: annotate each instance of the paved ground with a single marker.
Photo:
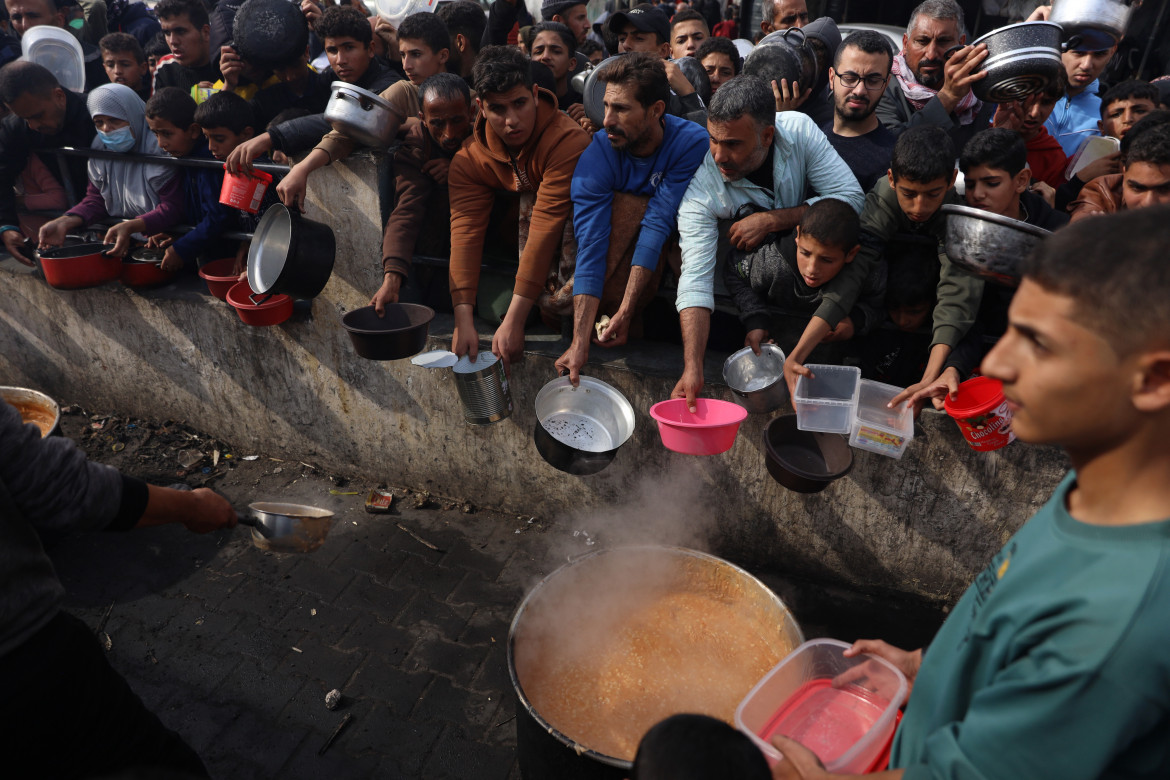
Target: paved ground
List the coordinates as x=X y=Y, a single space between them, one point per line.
x=406 y=614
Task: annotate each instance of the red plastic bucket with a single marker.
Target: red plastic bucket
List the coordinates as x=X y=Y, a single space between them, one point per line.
x=219 y=277
x=982 y=414
x=270 y=310
x=244 y=191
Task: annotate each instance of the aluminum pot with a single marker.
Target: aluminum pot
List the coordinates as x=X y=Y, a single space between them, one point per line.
x=580 y=429
x=360 y=114
x=804 y=461
x=757 y=380
x=988 y=245
x=287 y=527
x=290 y=254
x=35 y=407
x=79 y=266
x=1098 y=24
x=593 y=91
x=1022 y=59
x=402 y=332
x=595 y=586
x=269 y=32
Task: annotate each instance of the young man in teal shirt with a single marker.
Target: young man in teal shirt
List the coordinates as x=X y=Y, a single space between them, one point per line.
x=1054 y=664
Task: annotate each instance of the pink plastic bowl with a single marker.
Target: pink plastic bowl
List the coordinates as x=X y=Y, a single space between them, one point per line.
x=709 y=431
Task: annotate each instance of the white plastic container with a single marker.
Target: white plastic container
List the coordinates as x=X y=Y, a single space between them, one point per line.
x=59 y=51
x=843 y=709
x=878 y=428
x=827 y=402
x=1091 y=149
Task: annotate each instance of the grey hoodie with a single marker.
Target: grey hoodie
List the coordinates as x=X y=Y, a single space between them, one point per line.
x=48 y=484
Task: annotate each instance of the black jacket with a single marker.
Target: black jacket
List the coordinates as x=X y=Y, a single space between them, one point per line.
x=18 y=141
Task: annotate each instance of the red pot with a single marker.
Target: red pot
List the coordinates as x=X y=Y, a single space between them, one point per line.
x=219 y=277
x=271 y=310
x=76 y=267
x=144 y=271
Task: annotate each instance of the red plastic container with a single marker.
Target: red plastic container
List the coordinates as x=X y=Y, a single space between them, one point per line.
x=273 y=311
x=244 y=191
x=709 y=431
x=77 y=267
x=219 y=277
x=982 y=414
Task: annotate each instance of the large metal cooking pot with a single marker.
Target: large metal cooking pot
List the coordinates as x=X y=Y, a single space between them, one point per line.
x=697 y=75
x=1098 y=24
x=579 y=429
x=757 y=380
x=988 y=245
x=1022 y=59
x=270 y=33
x=360 y=114
x=35 y=407
x=784 y=54
x=290 y=255
x=585 y=601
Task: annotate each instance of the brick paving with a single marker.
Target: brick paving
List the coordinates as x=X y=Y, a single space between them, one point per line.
x=235 y=648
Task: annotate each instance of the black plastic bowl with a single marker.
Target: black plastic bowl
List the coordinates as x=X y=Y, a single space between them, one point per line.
x=804 y=461
x=400 y=334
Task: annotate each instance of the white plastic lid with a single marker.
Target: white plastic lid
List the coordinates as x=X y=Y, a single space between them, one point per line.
x=482 y=361
x=394 y=11
x=59 y=51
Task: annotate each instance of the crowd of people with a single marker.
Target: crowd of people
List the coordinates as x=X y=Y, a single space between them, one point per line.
x=808 y=215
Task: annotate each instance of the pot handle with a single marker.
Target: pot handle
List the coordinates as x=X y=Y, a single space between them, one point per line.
x=1072 y=43
x=252 y=298
x=800 y=37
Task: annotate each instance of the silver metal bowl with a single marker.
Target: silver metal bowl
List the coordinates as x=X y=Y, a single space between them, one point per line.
x=988 y=245
x=288 y=527
x=579 y=429
x=1022 y=59
x=35 y=407
x=360 y=114
x=757 y=380
x=1098 y=24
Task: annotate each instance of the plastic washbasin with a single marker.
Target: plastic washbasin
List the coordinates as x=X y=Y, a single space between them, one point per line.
x=709 y=430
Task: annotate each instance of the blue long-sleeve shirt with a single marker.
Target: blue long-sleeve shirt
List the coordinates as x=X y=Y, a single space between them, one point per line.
x=1075 y=118
x=663 y=176
x=201 y=199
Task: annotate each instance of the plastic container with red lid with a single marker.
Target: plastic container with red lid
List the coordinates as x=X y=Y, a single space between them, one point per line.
x=843 y=709
x=982 y=414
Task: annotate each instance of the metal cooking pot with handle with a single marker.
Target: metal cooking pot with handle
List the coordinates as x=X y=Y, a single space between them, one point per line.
x=580 y=429
x=290 y=254
x=1097 y=23
x=360 y=114
x=269 y=32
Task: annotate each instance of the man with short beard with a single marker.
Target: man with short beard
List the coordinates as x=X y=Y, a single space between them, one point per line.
x=626 y=191
x=760 y=161
x=857 y=78
x=933 y=75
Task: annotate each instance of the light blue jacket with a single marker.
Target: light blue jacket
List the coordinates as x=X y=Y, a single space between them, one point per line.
x=1075 y=113
x=802 y=159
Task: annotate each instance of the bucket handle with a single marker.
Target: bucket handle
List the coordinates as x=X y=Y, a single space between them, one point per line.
x=252 y=298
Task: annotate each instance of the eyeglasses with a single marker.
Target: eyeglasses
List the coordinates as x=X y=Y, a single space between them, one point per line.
x=873 y=81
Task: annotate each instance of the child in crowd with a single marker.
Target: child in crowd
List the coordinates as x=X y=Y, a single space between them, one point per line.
x=155 y=51
x=227 y=121
x=170 y=113
x=720 y=59
x=1124 y=104
x=907 y=201
x=697 y=747
x=150 y=195
x=125 y=62
x=781 y=281
x=592 y=51
x=995 y=169
x=554 y=46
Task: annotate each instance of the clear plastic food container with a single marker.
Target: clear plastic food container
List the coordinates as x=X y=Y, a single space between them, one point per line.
x=842 y=709
x=878 y=428
x=826 y=403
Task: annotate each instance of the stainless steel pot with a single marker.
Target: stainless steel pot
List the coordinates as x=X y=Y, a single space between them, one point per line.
x=988 y=245
x=1022 y=59
x=1097 y=23
x=287 y=527
x=579 y=429
x=360 y=114
x=757 y=380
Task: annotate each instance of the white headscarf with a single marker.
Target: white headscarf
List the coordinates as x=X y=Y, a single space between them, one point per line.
x=130 y=189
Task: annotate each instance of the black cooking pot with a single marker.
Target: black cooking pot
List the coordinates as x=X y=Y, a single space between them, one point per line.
x=804 y=461
x=270 y=32
x=784 y=54
x=400 y=334
x=697 y=75
x=290 y=255
x=1022 y=59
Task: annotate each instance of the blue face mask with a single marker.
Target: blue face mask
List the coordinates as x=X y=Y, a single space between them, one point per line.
x=121 y=140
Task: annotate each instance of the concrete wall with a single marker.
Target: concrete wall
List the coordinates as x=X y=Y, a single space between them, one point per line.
x=918 y=527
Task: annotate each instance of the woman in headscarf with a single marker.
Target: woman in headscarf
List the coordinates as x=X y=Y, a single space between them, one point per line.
x=148 y=196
